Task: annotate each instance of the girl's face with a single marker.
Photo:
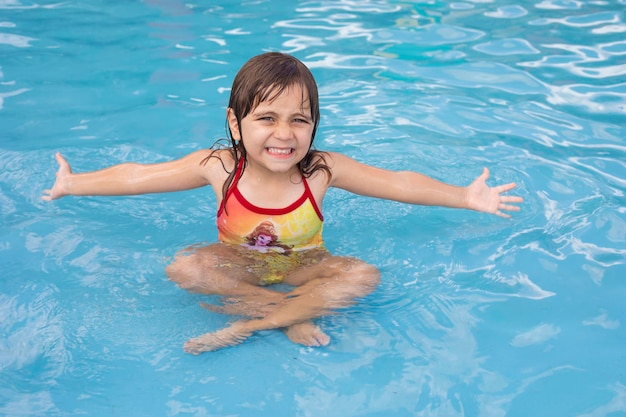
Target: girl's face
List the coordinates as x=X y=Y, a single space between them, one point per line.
x=277 y=134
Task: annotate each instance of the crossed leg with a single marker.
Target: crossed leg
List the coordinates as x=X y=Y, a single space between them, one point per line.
x=324 y=284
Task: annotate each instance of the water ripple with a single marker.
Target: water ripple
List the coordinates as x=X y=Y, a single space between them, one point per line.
x=580 y=21
x=507 y=47
x=559 y=4
x=429 y=35
x=536 y=335
x=476 y=75
x=349 y=6
x=508 y=12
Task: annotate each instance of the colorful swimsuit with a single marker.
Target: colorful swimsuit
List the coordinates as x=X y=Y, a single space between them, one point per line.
x=297 y=227
x=274 y=241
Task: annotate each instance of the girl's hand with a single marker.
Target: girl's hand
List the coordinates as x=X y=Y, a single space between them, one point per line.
x=63 y=174
x=481 y=197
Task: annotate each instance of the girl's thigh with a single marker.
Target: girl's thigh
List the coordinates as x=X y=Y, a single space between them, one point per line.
x=213 y=269
x=321 y=265
x=230 y=269
x=222 y=264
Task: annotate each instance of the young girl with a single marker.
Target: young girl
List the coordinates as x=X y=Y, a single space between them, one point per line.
x=270 y=184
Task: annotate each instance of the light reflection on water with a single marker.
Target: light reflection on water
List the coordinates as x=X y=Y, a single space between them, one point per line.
x=475 y=315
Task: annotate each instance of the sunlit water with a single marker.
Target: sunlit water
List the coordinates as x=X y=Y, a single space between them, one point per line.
x=476 y=315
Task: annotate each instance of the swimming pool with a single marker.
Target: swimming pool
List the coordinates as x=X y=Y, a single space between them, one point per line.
x=475 y=316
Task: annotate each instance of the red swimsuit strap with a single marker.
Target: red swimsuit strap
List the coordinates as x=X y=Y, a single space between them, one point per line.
x=309 y=194
x=234 y=190
x=233 y=185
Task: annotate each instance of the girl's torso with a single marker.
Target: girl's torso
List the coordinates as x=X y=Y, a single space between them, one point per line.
x=296 y=226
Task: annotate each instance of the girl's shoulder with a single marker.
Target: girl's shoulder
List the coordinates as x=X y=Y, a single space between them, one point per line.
x=344 y=168
x=218 y=158
x=332 y=159
x=213 y=164
x=318 y=170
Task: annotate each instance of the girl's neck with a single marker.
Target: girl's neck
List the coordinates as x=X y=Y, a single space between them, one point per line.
x=271 y=189
x=257 y=175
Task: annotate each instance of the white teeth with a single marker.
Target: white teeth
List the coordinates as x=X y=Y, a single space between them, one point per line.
x=279 y=151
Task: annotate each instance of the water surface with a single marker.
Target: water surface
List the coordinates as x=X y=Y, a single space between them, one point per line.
x=476 y=315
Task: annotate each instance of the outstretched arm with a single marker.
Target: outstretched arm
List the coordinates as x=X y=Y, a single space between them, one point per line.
x=415 y=188
x=130 y=178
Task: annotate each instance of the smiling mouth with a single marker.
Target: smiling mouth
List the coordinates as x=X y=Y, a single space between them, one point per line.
x=280 y=151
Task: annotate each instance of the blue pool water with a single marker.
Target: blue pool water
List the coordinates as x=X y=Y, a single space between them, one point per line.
x=476 y=315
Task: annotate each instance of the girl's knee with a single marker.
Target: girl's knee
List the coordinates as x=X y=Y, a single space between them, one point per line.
x=366 y=275
x=191 y=270
x=181 y=270
x=361 y=277
x=206 y=271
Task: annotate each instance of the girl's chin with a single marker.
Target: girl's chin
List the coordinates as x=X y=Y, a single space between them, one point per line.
x=277 y=165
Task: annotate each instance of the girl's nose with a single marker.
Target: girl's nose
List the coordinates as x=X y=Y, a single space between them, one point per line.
x=283 y=131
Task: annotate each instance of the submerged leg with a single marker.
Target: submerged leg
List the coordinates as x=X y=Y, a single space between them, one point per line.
x=331 y=284
x=221 y=270
x=217 y=270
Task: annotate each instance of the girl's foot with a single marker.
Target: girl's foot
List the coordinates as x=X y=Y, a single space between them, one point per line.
x=307 y=334
x=228 y=336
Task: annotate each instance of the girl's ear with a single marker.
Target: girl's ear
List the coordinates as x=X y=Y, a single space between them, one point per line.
x=233 y=124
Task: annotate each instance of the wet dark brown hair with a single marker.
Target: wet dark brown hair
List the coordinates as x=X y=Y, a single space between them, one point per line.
x=264 y=78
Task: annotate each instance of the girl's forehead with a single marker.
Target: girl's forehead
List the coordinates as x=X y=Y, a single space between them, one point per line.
x=293 y=92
